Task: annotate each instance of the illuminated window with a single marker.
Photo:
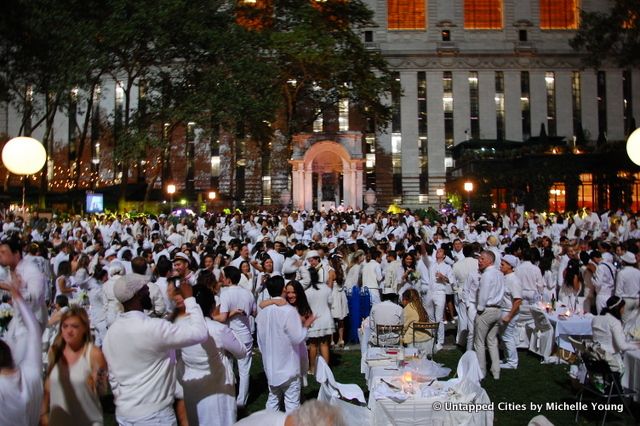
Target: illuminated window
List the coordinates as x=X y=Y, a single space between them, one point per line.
x=558 y=14
x=474 y=105
x=343 y=115
x=499 y=98
x=447 y=106
x=406 y=15
x=318 y=123
x=254 y=14
x=550 y=82
x=483 y=14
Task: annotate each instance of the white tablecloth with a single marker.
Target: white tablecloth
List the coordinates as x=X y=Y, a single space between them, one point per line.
x=631 y=376
x=575 y=325
x=379 y=364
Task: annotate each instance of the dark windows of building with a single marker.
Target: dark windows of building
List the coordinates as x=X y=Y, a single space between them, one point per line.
x=368 y=36
x=447 y=104
x=522 y=35
x=627 y=99
x=446 y=35
x=525 y=105
x=499 y=98
x=406 y=15
x=396 y=143
x=474 y=105
x=254 y=14
x=602 y=104
x=422 y=132
x=550 y=84
x=73 y=123
x=395 y=101
x=483 y=14
x=559 y=14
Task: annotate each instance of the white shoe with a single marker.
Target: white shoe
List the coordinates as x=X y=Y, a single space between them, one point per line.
x=505 y=366
x=438 y=348
x=445 y=322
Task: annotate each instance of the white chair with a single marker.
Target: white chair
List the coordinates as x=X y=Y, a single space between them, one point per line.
x=469 y=367
x=332 y=392
x=541 y=342
x=330 y=389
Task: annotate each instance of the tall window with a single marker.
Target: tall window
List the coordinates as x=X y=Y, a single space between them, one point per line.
x=422 y=132
x=525 y=105
x=576 y=103
x=447 y=105
x=627 y=102
x=558 y=14
x=396 y=143
x=499 y=97
x=406 y=15
x=73 y=122
x=602 y=104
x=318 y=123
x=550 y=82
x=483 y=14
x=474 y=105
x=343 y=115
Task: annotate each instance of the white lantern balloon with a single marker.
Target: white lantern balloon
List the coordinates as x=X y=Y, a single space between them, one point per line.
x=24 y=155
x=633 y=146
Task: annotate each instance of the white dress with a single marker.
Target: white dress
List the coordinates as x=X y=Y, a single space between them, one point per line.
x=205 y=372
x=320 y=303
x=339 y=303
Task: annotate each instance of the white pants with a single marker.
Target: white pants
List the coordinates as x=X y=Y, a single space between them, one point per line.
x=630 y=305
x=164 y=417
x=471 y=319
x=486 y=336
x=510 y=339
x=435 y=309
x=290 y=390
x=374 y=293
x=461 y=309
x=244 y=365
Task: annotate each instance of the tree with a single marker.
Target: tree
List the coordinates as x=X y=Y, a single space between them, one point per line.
x=613 y=36
x=321 y=59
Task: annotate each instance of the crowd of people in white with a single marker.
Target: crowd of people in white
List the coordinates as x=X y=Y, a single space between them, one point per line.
x=158 y=309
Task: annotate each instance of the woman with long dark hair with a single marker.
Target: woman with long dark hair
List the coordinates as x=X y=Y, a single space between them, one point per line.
x=75 y=376
x=608 y=332
x=320 y=332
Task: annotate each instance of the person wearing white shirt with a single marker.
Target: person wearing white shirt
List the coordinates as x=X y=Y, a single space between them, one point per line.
x=531 y=279
x=237 y=305
x=490 y=292
x=21 y=383
x=372 y=275
x=511 y=301
x=628 y=284
x=33 y=288
x=385 y=313
x=608 y=331
x=461 y=271
x=280 y=332
x=440 y=277
x=139 y=352
x=603 y=280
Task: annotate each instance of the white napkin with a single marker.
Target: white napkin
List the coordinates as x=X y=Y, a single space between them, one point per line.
x=383 y=391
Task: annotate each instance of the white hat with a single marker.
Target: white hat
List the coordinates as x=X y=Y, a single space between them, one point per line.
x=628 y=257
x=181 y=256
x=312 y=253
x=126 y=287
x=110 y=252
x=510 y=259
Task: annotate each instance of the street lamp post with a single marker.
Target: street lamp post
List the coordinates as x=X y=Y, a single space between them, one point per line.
x=171 y=189
x=440 y=193
x=468 y=186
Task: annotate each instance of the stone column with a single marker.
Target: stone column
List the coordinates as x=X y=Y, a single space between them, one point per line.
x=615 y=108
x=297 y=183
x=512 y=108
x=589 y=103
x=308 y=187
x=319 y=190
x=348 y=184
x=410 y=153
x=436 y=148
x=358 y=183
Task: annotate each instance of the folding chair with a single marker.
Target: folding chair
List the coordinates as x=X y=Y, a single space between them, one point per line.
x=541 y=341
x=430 y=328
x=391 y=334
x=602 y=383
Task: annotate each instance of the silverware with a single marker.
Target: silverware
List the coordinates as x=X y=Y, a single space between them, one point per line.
x=390 y=385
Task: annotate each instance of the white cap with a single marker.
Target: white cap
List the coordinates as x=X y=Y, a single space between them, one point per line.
x=510 y=259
